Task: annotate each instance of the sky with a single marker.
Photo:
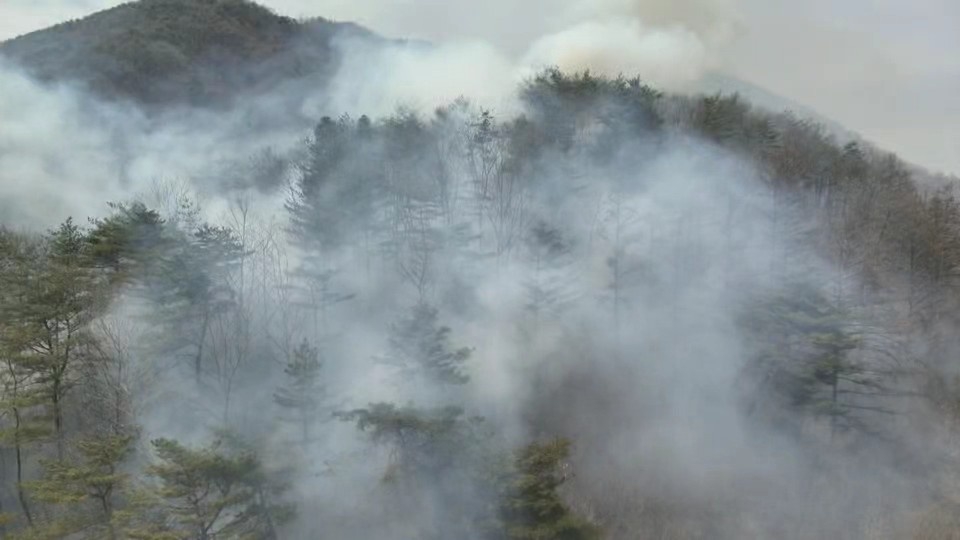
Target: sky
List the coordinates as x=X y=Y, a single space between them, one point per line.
x=887 y=69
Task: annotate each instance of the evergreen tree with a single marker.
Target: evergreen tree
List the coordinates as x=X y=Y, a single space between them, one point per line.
x=23 y=400
x=302 y=395
x=60 y=299
x=432 y=464
x=547 y=287
x=217 y=492
x=531 y=506
x=421 y=348
x=29 y=424
x=419 y=439
x=804 y=359
x=130 y=243
x=83 y=495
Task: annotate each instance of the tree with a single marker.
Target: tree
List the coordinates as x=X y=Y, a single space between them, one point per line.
x=59 y=302
x=213 y=492
x=418 y=439
x=499 y=185
x=805 y=359
x=302 y=395
x=201 y=291
x=421 y=348
x=619 y=227
x=564 y=105
x=26 y=423
x=431 y=465
x=85 y=493
x=129 y=244
x=531 y=507
x=546 y=286
x=333 y=191
x=336 y=184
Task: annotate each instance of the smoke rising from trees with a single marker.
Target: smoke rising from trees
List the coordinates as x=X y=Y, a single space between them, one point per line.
x=592 y=310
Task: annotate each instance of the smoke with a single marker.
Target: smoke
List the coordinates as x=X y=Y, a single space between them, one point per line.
x=669 y=58
x=375 y=80
x=889 y=81
x=118 y=151
x=665 y=44
x=65 y=153
x=643 y=370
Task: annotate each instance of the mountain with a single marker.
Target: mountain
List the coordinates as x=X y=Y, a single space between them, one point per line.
x=716 y=82
x=206 y=53
x=199 y=52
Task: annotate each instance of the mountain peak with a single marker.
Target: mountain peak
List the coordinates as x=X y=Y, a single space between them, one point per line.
x=200 y=52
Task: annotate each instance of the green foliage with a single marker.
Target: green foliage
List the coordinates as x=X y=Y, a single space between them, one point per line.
x=216 y=491
x=435 y=459
x=303 y=394
x=420 y=440
x=85 y=492
x=338 y=182
x=95 y=477
x=420 y=347
x=563 y=105
x=183 y=268
x=531 y=506
x=159 y=51
x=805 y=358
x=47 y=335
x=128 y=242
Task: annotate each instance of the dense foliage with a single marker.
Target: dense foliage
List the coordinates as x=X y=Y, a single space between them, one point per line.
x=200 y=52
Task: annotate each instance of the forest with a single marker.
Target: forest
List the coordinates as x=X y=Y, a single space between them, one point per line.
x=621 y=313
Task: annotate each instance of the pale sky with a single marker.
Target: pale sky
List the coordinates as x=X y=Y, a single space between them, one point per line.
x=888 y=69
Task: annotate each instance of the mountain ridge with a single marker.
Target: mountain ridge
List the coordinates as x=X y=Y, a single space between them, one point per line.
x=207 y=53
x=197 y=52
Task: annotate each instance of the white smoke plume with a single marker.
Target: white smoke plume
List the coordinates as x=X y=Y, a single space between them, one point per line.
x=651 y=398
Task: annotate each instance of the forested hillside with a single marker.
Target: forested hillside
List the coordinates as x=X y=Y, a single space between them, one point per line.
x=164 y=52
x=620 y=313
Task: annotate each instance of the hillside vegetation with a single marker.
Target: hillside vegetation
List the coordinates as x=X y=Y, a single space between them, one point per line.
x=620 y=314
x=201 y=52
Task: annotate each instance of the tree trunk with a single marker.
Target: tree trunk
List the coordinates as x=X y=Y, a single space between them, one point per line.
x=834 y=411
x=20 y=493
x=198 y=360
x=58 y=417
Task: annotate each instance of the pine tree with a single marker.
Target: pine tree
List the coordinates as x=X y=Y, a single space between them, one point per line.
x=547 y=287
x=626 y=273
x=218 y=492
x=23 y=402
x=804 y=359
x=531 y=506
x=22 y=399
x=431 y=461
x=419 y=439
x=129 y=243
x=84 y=494
x=58 y=298
x=302 y=395
x=421 y=348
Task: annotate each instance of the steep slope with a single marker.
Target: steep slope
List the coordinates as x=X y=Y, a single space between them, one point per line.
x=201 y=52
x=716 y=82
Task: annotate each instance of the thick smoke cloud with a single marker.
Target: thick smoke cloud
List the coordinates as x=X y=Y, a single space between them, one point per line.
x=670 y=58
x=878 y=68
x=887 y=73
x=649 y=389
x=64 y=153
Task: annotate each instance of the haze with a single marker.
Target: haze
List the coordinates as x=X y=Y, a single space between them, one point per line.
x=882 y=68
